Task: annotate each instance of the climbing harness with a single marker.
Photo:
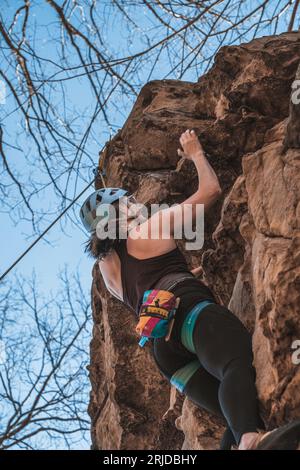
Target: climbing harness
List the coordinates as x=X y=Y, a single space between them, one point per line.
x=189 y=323
x=181 y=377
x=170 y=280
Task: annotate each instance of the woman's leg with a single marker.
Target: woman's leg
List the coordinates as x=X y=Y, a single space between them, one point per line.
x=224 y=348
x=184 y=371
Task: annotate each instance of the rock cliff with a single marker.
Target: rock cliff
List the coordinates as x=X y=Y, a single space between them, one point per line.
x=249 y=128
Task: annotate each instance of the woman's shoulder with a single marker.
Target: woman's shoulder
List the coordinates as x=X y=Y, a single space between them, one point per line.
x=143 y=248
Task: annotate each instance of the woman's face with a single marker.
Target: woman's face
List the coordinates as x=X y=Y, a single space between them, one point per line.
x=128 y=214
x=129 y=210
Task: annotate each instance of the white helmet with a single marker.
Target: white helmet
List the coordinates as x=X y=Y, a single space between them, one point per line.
x=101 y=196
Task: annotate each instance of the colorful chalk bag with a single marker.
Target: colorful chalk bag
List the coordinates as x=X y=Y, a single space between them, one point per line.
x=156 y=314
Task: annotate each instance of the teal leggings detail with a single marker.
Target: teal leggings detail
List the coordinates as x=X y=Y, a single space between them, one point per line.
x=183 y=375
x=189 y=323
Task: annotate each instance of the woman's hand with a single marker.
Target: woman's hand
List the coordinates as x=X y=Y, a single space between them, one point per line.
x=197 y=271
x=190 y=144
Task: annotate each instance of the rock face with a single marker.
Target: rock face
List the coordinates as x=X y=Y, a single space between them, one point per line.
x=251 y=254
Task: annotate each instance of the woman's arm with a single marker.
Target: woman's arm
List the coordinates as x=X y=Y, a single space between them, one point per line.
x=110 y=269
x=193 y=150
x=208 y=185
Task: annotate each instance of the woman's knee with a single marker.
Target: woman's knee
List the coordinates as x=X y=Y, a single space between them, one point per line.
x=169 y=357
x=203 y=389
x=218 y=332
x=183 y=375
x=241 y=367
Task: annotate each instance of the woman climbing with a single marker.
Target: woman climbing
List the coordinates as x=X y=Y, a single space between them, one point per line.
x=208 y=355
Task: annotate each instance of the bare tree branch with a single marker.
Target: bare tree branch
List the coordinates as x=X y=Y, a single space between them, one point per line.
x=43 y=381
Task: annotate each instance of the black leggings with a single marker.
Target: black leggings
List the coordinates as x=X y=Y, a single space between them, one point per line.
x=224 y=382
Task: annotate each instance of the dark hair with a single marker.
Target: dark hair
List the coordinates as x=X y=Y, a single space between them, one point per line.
x=98 y=248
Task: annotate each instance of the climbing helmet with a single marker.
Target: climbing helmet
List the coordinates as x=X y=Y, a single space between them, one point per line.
x=88 y=210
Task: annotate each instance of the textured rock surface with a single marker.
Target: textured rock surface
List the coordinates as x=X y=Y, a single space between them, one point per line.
x=251 y=254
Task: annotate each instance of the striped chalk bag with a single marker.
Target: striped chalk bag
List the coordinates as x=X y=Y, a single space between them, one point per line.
x=156 y=314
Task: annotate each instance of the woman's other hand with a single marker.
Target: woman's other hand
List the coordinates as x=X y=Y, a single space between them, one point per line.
x=197 y=271
x=191 y=145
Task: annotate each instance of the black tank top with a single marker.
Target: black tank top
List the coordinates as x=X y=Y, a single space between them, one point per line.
x=139 y=275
